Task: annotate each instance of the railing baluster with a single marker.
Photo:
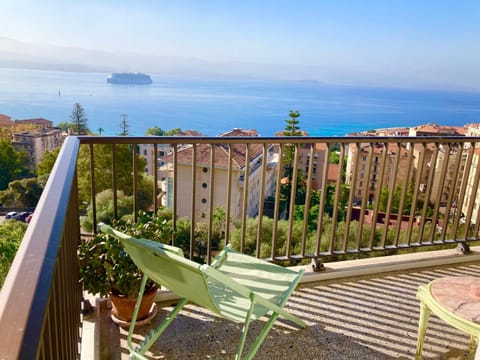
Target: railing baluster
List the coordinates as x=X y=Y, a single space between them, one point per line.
x=261 y=200
x=276 y=209
x=321 y=210
x=246 y=176
x=291 y=205
x=427 y=192
x=194 y=197
x=308 y=196
x=378 y=191
x=365 y=197
x=336 y=204
x=135 y=181
x=463 y=189
x=229 y=195
x=114 y=182
x=416 y=190
x=210 y=203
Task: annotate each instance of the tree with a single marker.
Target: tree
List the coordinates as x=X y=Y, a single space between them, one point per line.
x=157 y=131
x=124 y=125
x=22 y=193
x=11 y=235
x=45 y=166
x=292 y=129
x=79 y=120
x=65 y=126
x=104 y=172
x=12 y=164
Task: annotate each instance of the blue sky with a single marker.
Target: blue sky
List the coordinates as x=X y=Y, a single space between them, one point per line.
x=424 y=38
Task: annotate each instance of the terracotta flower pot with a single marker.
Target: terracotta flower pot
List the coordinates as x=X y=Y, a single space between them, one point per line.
x=123 y=307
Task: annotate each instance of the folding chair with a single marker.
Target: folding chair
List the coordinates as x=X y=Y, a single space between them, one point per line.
x=237 y=287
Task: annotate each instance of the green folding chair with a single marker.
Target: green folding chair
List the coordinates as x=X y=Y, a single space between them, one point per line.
x=235 y=286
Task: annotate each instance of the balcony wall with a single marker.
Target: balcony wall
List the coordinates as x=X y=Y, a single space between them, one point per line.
x=42 y=285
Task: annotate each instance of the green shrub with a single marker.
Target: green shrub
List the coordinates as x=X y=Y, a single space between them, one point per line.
x=11 y=235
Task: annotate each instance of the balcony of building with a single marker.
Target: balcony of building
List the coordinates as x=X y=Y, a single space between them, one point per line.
x=361 y=308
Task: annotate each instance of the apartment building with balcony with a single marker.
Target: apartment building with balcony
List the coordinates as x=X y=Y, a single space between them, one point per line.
x=35 y=143
x=373 y=166
x=207 y=185
x=451 y=161
x=154 y=154
x=469 y=204
x=319 y=152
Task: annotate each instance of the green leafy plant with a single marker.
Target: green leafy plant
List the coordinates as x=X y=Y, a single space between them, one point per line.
x=105 y=267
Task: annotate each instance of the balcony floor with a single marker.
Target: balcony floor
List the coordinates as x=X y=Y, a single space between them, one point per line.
x=373 y=317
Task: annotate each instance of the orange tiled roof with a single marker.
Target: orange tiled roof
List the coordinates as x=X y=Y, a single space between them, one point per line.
x=203 y=151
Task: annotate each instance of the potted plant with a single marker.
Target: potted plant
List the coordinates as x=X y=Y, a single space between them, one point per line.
x=106 y=268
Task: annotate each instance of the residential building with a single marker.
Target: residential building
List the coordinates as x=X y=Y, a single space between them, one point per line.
x=6 y=121
x=369 y=174
x=448 y=156
x=319 y=159
x=147 y=152
x=203 y=179
x=35 y=143
x=38 y=122
x=472 y=195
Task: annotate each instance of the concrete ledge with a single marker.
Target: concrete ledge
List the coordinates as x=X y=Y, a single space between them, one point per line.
x=385 y=264
x=341 y=270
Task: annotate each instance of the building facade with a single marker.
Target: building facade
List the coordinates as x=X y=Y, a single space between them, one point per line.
x=36 y=143
x=207 y=186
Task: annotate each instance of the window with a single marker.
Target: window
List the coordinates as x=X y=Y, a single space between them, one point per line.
x=204 y=201
x=205 y=169
x=204 y=185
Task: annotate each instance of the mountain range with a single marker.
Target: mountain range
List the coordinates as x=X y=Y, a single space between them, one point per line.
x=21 y=54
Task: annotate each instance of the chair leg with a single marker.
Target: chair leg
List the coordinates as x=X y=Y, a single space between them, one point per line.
x=422 y=328
x=261 y=337
x=153 y=335
x=241 y=344
x=473 y=348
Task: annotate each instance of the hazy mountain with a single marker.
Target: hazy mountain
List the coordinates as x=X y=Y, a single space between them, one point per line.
x=18 y=54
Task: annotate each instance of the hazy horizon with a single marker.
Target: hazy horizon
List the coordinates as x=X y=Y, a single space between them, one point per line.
x=425 y=44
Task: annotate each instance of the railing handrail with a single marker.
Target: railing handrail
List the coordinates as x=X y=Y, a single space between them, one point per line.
x=26 y=292
x=268 y=139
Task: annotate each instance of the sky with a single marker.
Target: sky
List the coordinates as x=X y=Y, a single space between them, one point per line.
x=432 y=40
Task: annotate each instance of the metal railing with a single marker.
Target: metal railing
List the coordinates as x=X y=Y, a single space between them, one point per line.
x=40 y=299
x=399 y=185
x=413 y=204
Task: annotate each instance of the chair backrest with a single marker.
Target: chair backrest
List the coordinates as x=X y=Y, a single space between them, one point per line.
x=167 y=268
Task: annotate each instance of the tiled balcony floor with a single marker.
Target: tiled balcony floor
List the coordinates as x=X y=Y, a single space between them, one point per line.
x=367 y=318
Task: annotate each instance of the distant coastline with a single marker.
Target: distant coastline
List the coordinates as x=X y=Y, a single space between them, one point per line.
x=214 y=106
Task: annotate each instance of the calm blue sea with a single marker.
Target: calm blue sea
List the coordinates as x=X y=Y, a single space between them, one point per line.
x=216 y=106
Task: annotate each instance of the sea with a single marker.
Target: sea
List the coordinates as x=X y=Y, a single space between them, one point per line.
x=214 y=106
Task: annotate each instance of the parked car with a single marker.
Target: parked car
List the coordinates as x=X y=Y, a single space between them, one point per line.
x=10 y=215
x=21 y=216
x=29 y=218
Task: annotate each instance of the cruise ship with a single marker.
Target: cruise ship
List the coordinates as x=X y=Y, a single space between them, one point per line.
x=129 y=78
